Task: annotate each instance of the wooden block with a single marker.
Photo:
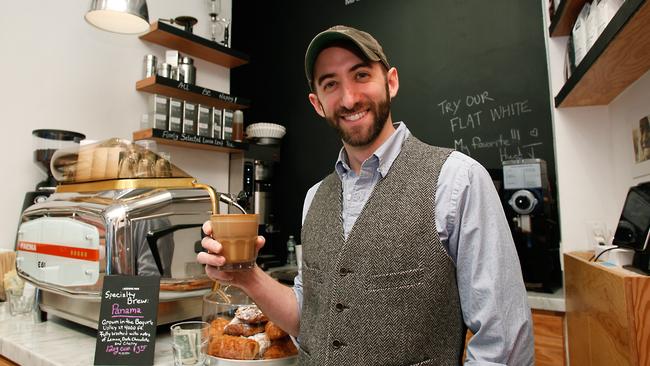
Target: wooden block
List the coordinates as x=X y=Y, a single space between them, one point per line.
x=607 y=313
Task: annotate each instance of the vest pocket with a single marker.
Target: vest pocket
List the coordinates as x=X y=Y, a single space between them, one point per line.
x=395 y=280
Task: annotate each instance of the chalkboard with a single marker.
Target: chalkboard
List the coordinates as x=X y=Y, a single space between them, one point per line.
x=473 y=76
x=126 y=334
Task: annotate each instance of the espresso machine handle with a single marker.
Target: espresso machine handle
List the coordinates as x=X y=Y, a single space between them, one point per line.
x=153 y=236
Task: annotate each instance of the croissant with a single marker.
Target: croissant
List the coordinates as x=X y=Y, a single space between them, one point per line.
x=237 y=328
x=217 y=326
x=273 y=331
x=237 y=348
x=281 y=348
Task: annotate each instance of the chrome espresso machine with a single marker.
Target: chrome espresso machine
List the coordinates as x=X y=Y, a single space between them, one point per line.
x=119 y=209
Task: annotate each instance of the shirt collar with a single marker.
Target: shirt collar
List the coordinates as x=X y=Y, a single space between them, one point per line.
x=386 y=153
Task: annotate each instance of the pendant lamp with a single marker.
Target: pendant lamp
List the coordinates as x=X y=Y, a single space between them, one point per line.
x=119 y=16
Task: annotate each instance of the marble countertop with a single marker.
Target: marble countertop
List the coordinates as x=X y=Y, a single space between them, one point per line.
x=58 y=342
x=545 y=301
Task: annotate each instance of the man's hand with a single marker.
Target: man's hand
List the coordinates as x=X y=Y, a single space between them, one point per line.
x=214 y=259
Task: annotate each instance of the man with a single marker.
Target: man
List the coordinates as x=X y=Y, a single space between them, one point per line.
x=404 y=244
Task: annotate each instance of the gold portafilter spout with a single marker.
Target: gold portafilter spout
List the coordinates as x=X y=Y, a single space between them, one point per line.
x=216 y=197
x=213 y=196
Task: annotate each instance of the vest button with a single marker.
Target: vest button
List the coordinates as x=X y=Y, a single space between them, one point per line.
x=339 y=307
x=336 y=344
x=343 y=271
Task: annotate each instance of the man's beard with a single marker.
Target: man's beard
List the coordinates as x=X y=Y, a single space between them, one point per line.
x=360 y=135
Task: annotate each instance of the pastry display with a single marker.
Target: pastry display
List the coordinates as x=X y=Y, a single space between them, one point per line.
x=249 y=335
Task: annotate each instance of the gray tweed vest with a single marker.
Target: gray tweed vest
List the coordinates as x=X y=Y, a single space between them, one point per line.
x=387 y=295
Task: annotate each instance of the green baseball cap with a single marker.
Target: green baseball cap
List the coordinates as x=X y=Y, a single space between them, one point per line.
x=366 y=43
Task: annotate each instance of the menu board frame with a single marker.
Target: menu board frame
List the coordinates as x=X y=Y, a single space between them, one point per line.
x=126 y=330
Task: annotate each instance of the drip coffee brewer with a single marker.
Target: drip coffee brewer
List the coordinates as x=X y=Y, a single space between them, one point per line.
x=46 y=143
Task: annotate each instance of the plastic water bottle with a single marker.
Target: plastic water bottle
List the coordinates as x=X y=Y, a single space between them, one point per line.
x=291 y=251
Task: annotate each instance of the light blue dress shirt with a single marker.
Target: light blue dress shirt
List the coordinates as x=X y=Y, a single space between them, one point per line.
x=473 y=229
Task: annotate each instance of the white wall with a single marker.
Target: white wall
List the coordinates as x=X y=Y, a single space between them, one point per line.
x=60 y=72
x=594 y=154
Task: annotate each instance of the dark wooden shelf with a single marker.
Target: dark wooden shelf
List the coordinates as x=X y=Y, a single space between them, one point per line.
x=618 y=58
x=192 y=93
x=189 y=141
x=185 y=42
x=565 y=16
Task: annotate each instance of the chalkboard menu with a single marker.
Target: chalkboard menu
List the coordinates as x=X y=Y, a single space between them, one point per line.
x=126 y=334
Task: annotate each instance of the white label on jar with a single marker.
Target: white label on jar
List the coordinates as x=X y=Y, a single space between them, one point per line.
x=161 y=100
x=189 y=106
x=203 y=125
x=175 y=120
x=227 y=129
x=161 y=116
x=175 y=103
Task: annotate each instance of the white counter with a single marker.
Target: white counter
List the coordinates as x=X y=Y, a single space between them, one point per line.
x=58 y=342
x=544 y=301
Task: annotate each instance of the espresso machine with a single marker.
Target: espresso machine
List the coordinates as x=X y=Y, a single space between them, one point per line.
x=532 y=216
x=251 y=174
x=118 y=209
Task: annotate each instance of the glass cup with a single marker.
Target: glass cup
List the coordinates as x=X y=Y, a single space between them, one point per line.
x=19 y=302
x=190 y=342
x=237 y=234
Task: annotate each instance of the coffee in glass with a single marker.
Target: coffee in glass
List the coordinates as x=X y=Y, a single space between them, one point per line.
x=237 y=234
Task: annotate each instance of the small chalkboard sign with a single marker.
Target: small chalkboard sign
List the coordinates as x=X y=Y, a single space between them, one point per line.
x=126 y=333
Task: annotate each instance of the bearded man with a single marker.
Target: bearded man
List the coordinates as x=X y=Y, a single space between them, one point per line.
x=405 y=245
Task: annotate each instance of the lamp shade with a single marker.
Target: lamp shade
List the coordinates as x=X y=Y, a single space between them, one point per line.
x=119 y=16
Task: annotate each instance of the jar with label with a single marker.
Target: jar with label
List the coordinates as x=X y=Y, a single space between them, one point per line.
x=226 y=131
x=149 y=65
x=187 y=70
x=175 y=115
x=165 y=70
x=189 y=118
x=204 y=121
x=238 y=126
x=217 y=123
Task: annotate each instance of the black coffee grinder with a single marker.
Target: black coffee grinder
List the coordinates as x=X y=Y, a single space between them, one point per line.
x=46 y=142
x=532 y=216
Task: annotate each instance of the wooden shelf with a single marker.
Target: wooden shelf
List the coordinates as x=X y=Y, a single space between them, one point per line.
x=192 y=93
x=164 y=137
x=618 y=58
x=178 y=39
x=565 y=16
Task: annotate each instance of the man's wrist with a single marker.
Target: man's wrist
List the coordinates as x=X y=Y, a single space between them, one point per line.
x=249 y=279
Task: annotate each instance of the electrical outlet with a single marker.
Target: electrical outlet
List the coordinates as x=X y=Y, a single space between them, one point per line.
x=597 y=234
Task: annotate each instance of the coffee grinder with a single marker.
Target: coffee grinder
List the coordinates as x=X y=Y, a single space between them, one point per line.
x=46 y=142
x=251 y=175
x=531 y=212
